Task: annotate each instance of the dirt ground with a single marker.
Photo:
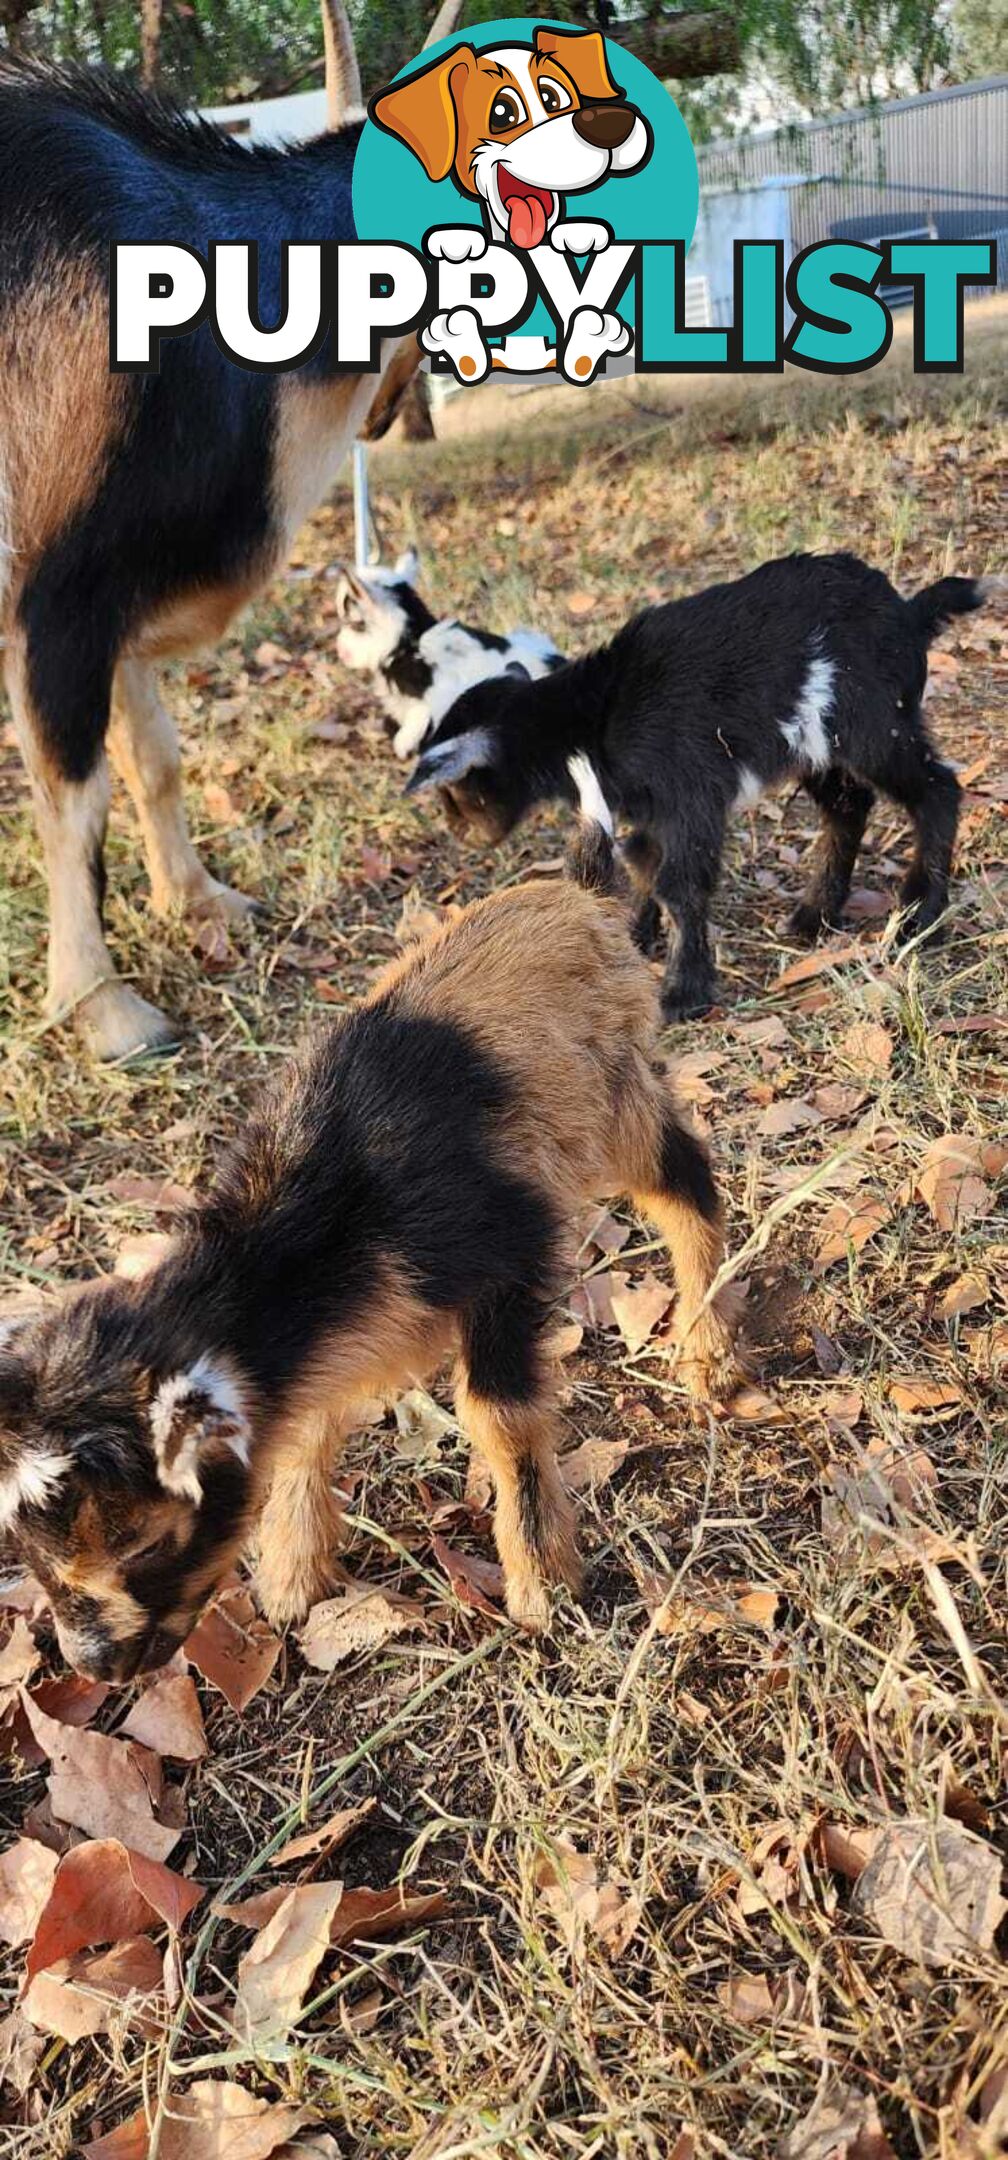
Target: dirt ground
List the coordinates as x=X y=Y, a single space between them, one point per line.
x=659 y=1935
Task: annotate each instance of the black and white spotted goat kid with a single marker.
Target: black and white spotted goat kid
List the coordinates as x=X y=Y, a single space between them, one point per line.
x=810 y=669
x=420 y=663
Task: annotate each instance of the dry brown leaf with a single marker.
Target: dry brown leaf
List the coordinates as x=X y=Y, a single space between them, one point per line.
x=768 y=1033
x=592 y=1464
x=969 y=1291
x=952 y=1184
x=19 y=1655
x=850 y=1224
x=99 y=1785
x=838 y=1100
x=254 y=1911
x=167 y=1717
x=358 y=1619
x=638 y=1307
x=275 y=1973
x=791 y=1113
x=607 y=1233
x=20 y=2049
x=26 y=1879
x=867 y=1046
x=747 y=1999
x=474 y=1581
x=233 y=1648
x=817 y=963
x=367 y=1915
x=591 y=1301
x=94 y=1991
x=130 y=2140
x=707 y=1607
x=70 y=1698
x=917 y=1395
x=581 y=603
x=752 y=1407
x=847 y=1852
x=690 y=1075
x=842 y=2124
x=213 y=2120
x=570 y=1888
x=933 y=1890
x=842 y=1408
x=157 y=1193
x=102 y=1893
x=328 y=1838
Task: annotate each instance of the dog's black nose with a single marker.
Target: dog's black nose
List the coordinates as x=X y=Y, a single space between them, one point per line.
x=604 y=126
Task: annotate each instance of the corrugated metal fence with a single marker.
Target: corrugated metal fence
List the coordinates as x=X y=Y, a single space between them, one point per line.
x=935 y=164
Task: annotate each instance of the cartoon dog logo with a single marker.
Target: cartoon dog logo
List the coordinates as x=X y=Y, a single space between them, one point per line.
x=518 y=129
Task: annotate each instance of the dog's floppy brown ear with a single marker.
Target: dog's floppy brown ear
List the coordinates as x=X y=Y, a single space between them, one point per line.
x=582 y=55
x=423 y=110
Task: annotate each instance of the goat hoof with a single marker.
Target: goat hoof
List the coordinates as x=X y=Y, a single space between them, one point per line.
x=119 y=1027
x=685 y=1004
x=220 y=903
x=806 y=923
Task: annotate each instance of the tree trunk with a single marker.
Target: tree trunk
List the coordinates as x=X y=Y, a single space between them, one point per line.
x=150 y=43
x=13 y=18
x=685 y=44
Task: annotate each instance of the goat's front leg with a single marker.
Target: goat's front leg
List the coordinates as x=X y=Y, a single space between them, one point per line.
x=65 y=760
x=144 y=748
x=686 y=882
x=506 y=1407
x=301 y=1526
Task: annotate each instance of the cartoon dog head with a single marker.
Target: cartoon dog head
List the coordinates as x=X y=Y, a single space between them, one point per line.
x=519 y=127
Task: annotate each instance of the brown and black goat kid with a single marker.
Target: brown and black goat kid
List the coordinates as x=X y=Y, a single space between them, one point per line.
x=811 y=669
x=406 y=1192
x=138 y=513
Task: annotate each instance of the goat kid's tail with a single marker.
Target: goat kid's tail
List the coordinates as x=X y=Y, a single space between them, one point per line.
x=937 y=604
x=591 y=860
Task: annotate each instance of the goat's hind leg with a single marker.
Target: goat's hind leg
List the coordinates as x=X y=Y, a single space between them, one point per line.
x=70 y=788
x=642 y=857
x=918 y=779
x=144 y=748
x=844 y=804
x=505 y=1405
x=671 y=1182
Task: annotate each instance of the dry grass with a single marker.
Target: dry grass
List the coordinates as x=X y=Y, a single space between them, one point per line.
x=664 y=1755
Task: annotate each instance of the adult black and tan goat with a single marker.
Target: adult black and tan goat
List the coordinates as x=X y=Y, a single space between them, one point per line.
x=139 y=512
x=810 y=669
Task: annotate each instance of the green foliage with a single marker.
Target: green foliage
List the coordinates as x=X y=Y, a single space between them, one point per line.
x=979 y=38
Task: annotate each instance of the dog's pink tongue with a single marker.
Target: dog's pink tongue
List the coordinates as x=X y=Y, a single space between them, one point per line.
x=526 y=221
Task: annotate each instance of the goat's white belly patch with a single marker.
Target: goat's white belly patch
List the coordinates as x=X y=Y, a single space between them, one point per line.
x=749 y=790
x=805 y=732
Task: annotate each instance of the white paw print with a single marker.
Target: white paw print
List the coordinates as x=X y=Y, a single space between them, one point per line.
x=580 y=236
x=456 y=333
x=456 y=243
x=590 y=337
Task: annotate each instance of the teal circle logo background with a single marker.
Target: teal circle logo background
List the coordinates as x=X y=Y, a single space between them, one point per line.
x=393 y=199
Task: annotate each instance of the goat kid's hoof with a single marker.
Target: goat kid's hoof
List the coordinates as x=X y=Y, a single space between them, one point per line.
x=119 y=1027
x=220 y=903
x=805 y=924
x=529 y=1604
x=685 y=1004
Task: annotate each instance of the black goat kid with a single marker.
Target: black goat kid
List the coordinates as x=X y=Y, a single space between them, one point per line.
x=810 y=669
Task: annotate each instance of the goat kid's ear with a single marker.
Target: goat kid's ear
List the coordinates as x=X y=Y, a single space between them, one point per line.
x=408 y=566
x=197 y=1417
x=447 y=761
